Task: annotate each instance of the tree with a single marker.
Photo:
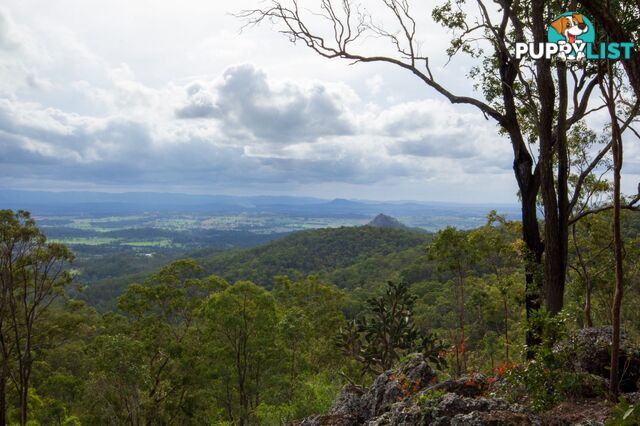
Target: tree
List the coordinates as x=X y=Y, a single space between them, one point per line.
x=589 y=261
x=495 y=249
x=454 y=253
x=620 y=22
x=113 y=391
x=33 y=275
x=240 y=328
x=162 y=311
x=64 y=363
x=609 y=94
x=385 y=332
x=533 y=102
x=309 y=313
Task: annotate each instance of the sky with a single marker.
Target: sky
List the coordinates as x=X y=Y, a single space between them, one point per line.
x=157 y=95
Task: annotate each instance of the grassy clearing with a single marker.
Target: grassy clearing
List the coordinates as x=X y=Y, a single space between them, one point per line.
x=165 y=242
x=91 y=241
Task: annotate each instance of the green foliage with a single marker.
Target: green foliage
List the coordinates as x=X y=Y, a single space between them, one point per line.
x=33 y=275
x=312 y=252
x=314 y=395
x=385 y=332
x=625 y=414
x=242 y=320
x=545 y=379
x=189 y=348
x=453 y=250
x=154 y=347
x=427 y=400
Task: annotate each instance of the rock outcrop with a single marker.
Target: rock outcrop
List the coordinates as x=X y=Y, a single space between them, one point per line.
x=588 y=351
x=411 y=395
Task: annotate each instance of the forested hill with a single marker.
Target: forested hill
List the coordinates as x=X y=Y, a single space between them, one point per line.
x=347 y=257
x=329 y=252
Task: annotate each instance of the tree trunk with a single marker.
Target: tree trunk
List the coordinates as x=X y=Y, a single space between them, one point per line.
x=528 y=183
x=24 y=401
x=463 y=349
x=563 y=188
x=555 y=237
x=25 y=374
x=533 y=262
x=506 y=328
x=3 y=397
x=242 y=394
x=617 y=235
x=586 y=278
x=588 y=320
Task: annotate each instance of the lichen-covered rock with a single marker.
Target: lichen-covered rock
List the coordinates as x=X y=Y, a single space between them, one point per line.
x=589 y=350
x=468 y=385
x=450 y=405
x=494 y=418
x=633 y=397
x=452 y=409
x=403 y=413
x=328 y=420
x=394 y=385
x=349 y=402
x=590 y=385
x=410 y=395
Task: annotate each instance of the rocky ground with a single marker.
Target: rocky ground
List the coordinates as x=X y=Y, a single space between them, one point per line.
x=412 y=395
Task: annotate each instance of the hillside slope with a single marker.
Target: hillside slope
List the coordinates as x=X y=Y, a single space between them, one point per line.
x=322 y=251
x=348 y=257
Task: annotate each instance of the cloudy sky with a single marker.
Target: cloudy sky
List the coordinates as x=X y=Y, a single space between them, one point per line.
x=170 y=96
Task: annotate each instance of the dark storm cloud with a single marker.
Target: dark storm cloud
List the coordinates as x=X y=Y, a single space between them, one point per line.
x=12 y=152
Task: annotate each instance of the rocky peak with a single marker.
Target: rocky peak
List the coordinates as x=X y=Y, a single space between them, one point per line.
x=384 y=221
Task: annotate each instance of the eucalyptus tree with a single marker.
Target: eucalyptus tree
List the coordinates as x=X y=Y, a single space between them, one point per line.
x=33 y=274
x=494 y=244
x=240 y=324
x=620 y=21
x=162 y=313
x=535 y=103
x=455 y=253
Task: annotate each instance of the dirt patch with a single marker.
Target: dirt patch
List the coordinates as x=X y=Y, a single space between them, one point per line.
x=577 y=413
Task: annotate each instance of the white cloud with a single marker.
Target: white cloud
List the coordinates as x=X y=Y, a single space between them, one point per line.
x=99 y=120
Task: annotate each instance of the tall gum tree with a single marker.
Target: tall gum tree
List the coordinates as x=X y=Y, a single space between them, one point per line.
x=33 y=275
x=534 y=102
x=619 y=20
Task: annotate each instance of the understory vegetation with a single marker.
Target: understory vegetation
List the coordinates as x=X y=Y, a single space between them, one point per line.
x=185 y=346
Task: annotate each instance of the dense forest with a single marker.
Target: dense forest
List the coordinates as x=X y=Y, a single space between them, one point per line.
x=208 y=342
x=519 y=321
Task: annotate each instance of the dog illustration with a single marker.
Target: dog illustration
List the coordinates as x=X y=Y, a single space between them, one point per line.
x=570 y=27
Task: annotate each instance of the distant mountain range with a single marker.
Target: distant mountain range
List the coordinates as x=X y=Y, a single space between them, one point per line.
x=101 y=203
